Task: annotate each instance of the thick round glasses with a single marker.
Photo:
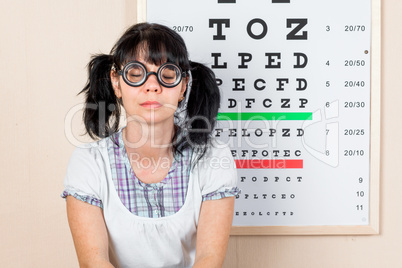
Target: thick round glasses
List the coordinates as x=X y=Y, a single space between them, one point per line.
x=135 y=74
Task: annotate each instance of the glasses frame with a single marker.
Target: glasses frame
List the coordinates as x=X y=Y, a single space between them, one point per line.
x=126 y=67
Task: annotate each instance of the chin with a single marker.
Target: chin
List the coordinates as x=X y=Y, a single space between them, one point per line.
x=157 y=119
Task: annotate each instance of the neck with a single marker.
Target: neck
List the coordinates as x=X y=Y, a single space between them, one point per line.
x=149 y=140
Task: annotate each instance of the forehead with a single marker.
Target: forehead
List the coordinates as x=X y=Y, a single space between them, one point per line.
x=150 y=66
x=144 y=53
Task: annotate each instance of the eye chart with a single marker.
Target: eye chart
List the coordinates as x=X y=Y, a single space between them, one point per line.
x=297 y=109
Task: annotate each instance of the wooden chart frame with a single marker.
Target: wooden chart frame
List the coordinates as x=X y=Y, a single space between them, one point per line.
x=375 y=128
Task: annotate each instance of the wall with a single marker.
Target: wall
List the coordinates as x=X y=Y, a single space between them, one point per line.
x=44 y=48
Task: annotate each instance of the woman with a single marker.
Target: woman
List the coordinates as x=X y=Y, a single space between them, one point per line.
x=160 y=191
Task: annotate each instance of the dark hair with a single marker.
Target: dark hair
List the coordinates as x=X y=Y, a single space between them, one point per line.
x=156 y=44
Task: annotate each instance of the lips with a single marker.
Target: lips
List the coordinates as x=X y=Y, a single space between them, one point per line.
x=151 y=104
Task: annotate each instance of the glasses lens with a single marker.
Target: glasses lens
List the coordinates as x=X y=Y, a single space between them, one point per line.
x=135 y=73
x=170 y=74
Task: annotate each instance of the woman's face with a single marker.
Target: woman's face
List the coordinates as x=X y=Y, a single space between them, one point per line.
x=150 y=102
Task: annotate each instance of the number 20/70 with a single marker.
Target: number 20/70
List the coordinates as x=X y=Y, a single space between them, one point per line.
x=183 y=28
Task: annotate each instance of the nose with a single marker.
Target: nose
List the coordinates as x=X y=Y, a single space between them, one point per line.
x=152 y=83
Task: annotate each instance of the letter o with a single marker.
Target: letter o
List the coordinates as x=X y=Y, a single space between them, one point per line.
x=258 y=132
x=264 y=30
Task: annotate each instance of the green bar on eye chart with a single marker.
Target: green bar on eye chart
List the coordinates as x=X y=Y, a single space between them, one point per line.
x=264 y=116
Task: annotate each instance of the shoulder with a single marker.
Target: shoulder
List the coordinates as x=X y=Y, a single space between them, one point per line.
x=217 y=168
x=218 y=150
x=218 y=158
x=87 y=168
x=99 y=144
x=88 y=157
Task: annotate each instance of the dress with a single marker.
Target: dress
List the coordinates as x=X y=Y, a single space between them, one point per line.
x=136 y=241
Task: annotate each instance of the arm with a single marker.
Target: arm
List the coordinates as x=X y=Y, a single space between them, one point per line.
x=213 y=232
x=89 y=233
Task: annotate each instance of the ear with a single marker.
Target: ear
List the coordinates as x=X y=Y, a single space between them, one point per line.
x=184 y=85
x=114 y=78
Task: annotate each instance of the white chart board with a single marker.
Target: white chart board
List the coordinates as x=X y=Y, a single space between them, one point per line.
x=300 y=106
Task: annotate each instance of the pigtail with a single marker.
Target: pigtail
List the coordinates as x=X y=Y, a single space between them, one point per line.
x=101 y=104
x=202 y=107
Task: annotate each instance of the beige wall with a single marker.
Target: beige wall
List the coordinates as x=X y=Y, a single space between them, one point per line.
x=44 y=47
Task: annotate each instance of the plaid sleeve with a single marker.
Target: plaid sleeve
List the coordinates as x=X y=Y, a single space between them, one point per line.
x=86 y=198
x=221 y=193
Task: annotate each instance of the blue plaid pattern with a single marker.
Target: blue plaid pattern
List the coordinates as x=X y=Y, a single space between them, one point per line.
x=148 y=200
